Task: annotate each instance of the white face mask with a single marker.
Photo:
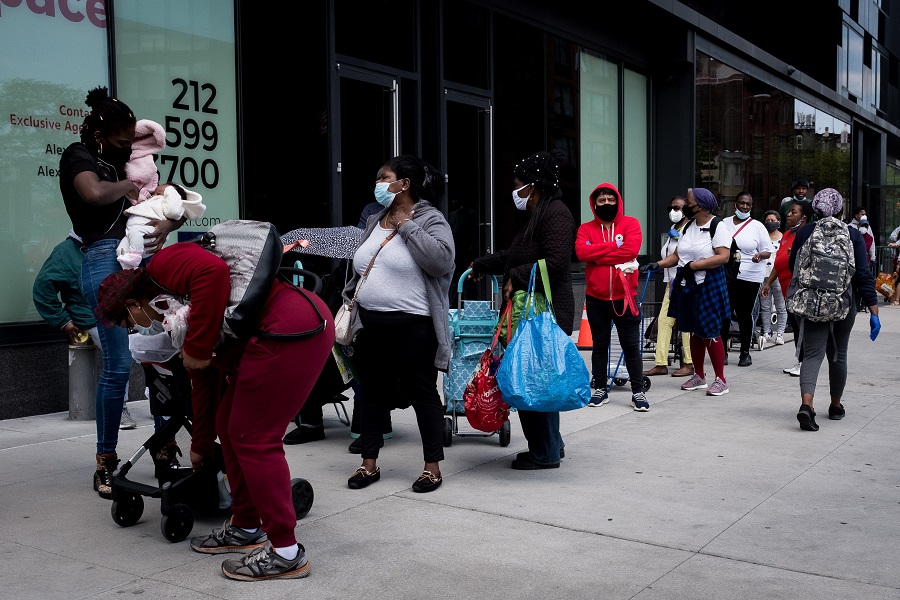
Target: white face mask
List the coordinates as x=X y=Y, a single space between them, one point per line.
x=520 y=202
x=675 y=216
x=864 y=230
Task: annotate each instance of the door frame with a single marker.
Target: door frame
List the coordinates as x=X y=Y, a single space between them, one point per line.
x=485 y=104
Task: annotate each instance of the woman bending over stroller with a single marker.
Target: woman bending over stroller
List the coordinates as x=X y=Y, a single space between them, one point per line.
x=251 y=414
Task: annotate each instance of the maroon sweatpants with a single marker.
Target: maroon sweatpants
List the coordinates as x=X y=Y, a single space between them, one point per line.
x=268 y=388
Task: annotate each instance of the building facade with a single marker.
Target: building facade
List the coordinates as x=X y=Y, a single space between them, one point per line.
x=286 y=120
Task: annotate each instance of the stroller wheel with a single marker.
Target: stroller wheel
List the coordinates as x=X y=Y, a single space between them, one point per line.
x=178 y=523
x=127 y=509
x=504 y=434
x=619 y=381
x=448 y=432
x=646 y=383
x=302 y=496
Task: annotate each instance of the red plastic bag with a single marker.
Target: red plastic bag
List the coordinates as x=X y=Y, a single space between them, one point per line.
x=484 y=405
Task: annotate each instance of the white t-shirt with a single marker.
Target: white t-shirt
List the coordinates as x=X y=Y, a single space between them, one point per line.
x=695 y=243
x=753 y=238
x=770 y=262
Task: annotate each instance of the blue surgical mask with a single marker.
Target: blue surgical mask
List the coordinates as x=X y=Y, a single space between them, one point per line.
x=382 y=195
x=155 y=328
x=743 y=216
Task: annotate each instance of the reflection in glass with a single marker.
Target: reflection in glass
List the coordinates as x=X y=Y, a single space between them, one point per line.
x=753 y=137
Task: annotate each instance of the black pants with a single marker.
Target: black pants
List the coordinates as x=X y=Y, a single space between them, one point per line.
x=742 y=296
x=601 y=315
x=394 y=360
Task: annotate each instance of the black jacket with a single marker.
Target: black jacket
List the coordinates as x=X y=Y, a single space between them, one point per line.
x=554 y=241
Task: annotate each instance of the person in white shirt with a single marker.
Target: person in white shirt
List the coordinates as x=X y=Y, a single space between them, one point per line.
x=699 y=294
x=752 y=243
x=664 y=323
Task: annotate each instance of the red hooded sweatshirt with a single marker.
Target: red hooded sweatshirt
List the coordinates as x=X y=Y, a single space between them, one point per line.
x=603 y=245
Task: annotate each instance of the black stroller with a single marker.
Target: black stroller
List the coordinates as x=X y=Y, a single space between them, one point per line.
x=181 y=490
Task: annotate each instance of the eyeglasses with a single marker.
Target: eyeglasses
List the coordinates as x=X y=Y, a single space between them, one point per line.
x=676 y=207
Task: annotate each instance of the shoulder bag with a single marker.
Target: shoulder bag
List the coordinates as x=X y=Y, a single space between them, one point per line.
x=733 y=266
x=345 y=318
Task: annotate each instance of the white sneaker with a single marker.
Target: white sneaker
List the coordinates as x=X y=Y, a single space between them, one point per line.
x=793 y=371
x=779 y=340
x=126 y=422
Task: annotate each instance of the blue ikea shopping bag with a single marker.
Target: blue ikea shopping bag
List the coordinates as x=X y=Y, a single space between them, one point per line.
x=542 y=369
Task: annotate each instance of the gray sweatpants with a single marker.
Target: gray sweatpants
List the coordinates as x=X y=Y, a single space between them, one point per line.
x=821 y=340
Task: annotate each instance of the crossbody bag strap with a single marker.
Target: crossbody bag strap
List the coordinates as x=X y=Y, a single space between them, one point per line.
x=741 y=227
x=369 y=267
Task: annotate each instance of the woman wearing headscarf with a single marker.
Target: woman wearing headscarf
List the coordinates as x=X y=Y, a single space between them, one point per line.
x=548 y=234
x=699 y=297
x=821 y=339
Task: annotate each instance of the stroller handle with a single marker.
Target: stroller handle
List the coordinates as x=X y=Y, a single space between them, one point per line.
x=462 y=278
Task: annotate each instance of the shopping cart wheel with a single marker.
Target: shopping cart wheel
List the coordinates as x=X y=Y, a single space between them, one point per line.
x=178 y=523
x=620 y=382
x=646 y=383
x=127 y=509
x=302 y=495
x=504 y=434
x=448 y=431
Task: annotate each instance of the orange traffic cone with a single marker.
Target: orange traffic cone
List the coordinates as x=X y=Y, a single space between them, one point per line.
x=585 y=340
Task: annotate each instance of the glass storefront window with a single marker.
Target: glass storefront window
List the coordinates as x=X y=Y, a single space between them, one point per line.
x=753 y=137
x=53 y=59
x=599 y=131
x=175 y=64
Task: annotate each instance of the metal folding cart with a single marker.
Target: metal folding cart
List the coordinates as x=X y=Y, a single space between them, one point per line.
x=471 y=326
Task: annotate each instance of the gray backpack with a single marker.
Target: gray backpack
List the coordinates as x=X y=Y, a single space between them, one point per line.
x=823 y=270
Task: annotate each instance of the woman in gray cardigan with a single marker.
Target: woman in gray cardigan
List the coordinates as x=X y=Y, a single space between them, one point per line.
x=400 y=323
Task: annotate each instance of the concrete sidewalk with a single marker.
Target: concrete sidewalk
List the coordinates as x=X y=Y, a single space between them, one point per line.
x=701 y=497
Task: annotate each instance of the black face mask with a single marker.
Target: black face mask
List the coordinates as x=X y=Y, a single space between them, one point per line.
x=772 y=225
x=691 y=211
x=116 y=156
x=607 y=212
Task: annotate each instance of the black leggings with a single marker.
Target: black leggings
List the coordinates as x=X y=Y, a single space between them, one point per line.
x=394 y=360
x=742 y=296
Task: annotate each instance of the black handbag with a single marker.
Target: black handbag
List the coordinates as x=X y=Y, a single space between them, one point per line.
x=733 y=266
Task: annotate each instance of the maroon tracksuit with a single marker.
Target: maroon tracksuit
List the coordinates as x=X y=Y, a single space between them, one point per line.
x=268 y=382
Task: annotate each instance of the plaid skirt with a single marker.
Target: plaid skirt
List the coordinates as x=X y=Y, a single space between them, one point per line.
x=700 y=309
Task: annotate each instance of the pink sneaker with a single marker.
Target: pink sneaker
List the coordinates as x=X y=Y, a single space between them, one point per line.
x=718 y=388
x=694 y=383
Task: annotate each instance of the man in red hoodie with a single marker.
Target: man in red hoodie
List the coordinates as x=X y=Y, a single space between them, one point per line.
x=611 y=239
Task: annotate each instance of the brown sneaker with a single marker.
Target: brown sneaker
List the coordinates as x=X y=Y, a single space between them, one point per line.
x=685 y=371
x=657 y=370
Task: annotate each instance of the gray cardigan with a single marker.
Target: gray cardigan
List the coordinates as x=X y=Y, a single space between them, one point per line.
x=430 y=242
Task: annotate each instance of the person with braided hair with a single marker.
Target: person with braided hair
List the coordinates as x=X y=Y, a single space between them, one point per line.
x=96 y=192
x=548 y=234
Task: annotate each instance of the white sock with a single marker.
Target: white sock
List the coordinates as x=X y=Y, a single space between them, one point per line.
x=288 y=552
x=254 y=530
